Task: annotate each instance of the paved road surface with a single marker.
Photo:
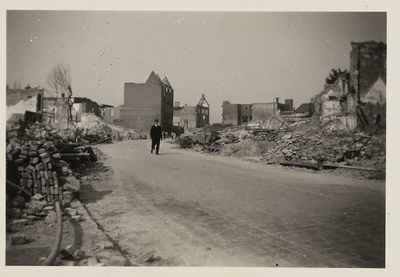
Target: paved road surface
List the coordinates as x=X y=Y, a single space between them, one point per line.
x=192 y=209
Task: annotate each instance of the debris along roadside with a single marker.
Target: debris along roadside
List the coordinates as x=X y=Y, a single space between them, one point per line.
x=303 y=144
x=93 y=130
x=43 y=169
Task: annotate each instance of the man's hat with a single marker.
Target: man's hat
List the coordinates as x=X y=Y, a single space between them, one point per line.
x=156 y=120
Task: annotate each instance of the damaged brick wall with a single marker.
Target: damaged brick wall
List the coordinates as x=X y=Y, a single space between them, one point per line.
x=60 y=107
x=230 y=113
x=367 y=64
x=187 y=116
x=139 y=119
x=145 y=102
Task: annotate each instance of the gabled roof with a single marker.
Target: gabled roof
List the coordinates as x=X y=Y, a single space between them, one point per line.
x=304 y=108
x=203 y=102
x=376 y=93
x=166 y=82
x=154 y=78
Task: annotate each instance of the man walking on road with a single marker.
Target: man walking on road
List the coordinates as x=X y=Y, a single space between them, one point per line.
x=156 y=136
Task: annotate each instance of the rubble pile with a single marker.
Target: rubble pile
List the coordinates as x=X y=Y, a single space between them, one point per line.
x=36 y=166
x=334 y=147
x=190 y=140
x=93 y=130
x=303 y=142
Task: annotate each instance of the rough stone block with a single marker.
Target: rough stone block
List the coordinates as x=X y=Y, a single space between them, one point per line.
x=76 y=217
x=9 y=157
x=75 y=204
x=32 y=218
x=17 y=239
x=103 y=255
x=71 y=211
x=36 y=206
x=68 y=196
x=107 y=245
x=69 y=250
x=51 y=218
x=70 y=187
x=144 y=258
x=92 y=261
x=67 y=263
x=20 y=222
x=48 y=209
x=61 y=164
x=117 y=261
x=19 y=201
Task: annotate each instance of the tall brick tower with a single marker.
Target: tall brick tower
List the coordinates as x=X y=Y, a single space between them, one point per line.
x=367 y=64
x=145 y=102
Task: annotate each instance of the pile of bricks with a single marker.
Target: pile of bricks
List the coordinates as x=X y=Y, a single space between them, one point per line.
x=333 y=147
x=34 y=161
x=312 y=144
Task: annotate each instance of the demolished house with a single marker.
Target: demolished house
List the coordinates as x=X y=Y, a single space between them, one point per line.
x=344 y=128
x=20 y=100
x=190 y=117
x=358 y=99
x=46 y=154
x=264 y=115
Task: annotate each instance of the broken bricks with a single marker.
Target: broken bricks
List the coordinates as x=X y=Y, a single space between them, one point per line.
x=68 y=196
x=51 y=218
x=38 y=163
x=69 y=251
x=17 y=239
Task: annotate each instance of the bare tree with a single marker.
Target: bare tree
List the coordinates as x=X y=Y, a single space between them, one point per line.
x=59 y=79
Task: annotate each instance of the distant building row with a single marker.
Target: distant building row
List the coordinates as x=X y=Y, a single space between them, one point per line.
x=143 y=102
x=257 y=113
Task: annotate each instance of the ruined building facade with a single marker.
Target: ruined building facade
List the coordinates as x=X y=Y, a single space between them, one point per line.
x=145 y=102
x=367 y=65
x=192 y=116
x=356 y=99
x=250 y=114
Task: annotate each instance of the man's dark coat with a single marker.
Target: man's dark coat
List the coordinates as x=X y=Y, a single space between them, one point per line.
x=155 y=133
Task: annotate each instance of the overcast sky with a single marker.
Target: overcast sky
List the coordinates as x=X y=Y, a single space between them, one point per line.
x=242 y=57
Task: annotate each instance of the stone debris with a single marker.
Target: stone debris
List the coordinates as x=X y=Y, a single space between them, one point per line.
x=144 y=258
x=69 y=250
x=92 y=261
x=17 y=239
x=117 y=261
x=71 y=212
x=94 y=130
x=39 y=157
x=48 y=209
x=302 y=143
x=20 y=222
x=77 y=218
x=51 y=217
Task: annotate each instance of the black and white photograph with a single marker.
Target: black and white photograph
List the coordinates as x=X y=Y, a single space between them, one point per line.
x=245 y=138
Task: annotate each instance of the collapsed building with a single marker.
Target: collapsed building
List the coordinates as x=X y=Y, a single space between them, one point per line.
x=31 y=104
x=190 y=117
x=357 y=99
x=343 y=128
x=259 y=115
